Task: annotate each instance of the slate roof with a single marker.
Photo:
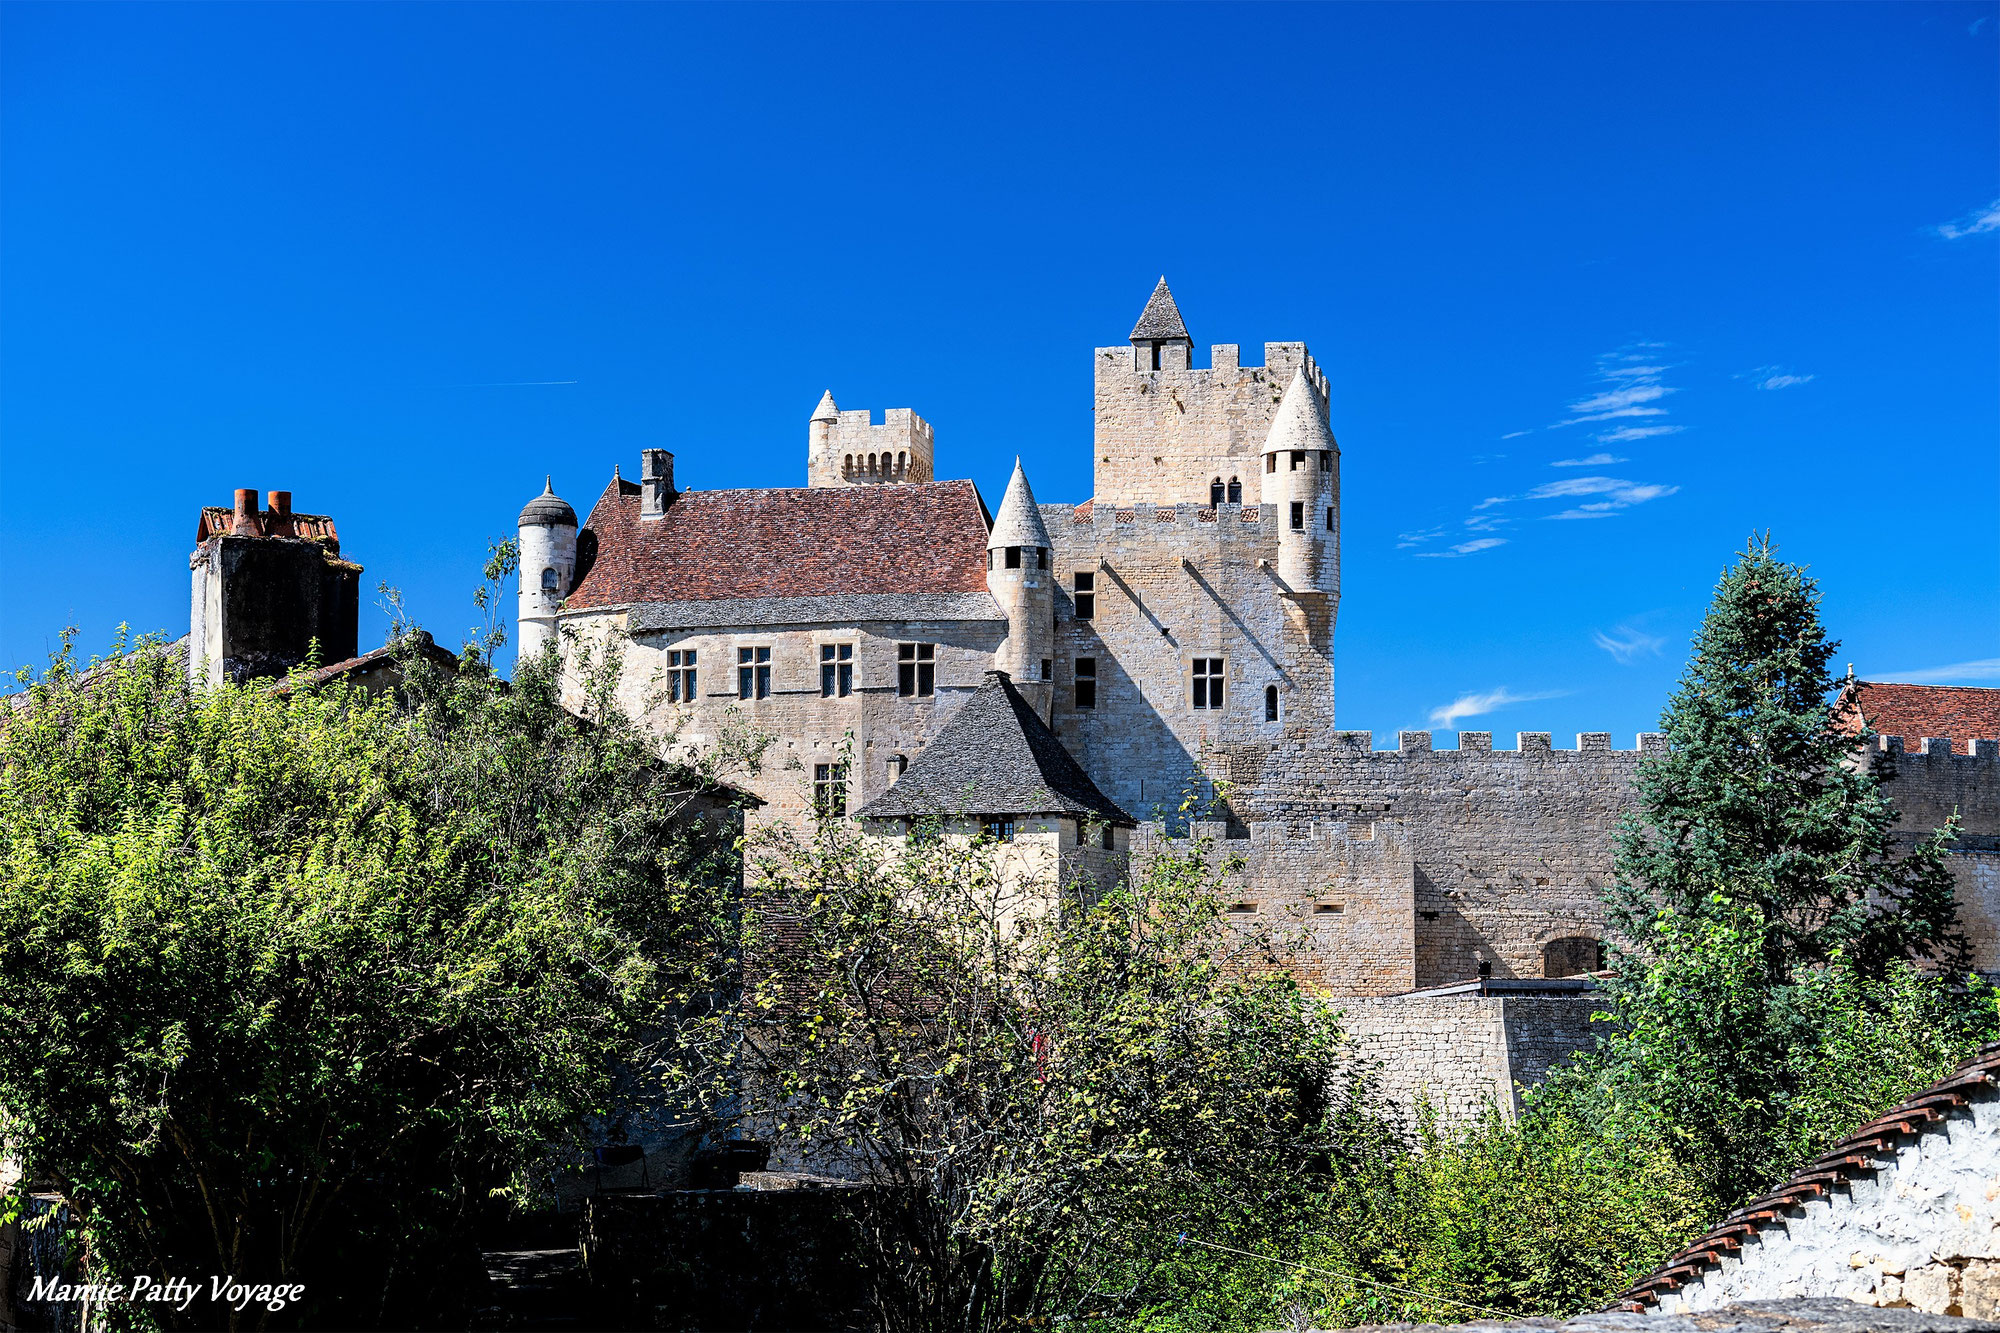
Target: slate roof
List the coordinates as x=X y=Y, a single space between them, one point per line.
x=547 y=509
x=1964 y=713
x=927 y=537
x=1161 y=319
x=995 y=757
x=850 y=608
x=1019 y=522
x=1299 y=423
x=1871 y=1148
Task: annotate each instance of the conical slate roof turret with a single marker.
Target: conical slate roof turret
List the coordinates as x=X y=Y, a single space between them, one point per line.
x=995 y=757
x=547 y=510
x=826 y=411
x=1300 y=424
x=1019 y=522
x=1161 y=320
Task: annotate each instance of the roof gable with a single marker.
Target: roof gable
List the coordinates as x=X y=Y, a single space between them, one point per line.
x=787 y=542
x=995 y=756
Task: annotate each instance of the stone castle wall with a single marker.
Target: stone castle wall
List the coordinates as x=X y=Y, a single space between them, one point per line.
x=1173 y=584
x=1162 y=434
x=872 y=728
x=1339 y=899
x=1465 y=1052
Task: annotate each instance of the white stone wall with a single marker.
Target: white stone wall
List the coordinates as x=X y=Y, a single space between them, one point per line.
x=1923 y=1232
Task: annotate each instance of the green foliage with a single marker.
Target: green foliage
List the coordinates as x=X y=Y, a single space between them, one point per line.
x=292 y=978
x=1760 y=800
x=1763 y=905
x=1058 y=1079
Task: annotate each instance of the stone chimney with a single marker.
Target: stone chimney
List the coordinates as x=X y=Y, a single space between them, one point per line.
x=656 y=482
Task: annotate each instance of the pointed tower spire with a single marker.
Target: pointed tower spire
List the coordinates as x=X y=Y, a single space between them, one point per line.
x=1300 y=424
x=1161 y=320
x=826 y=411
x=1019 y=522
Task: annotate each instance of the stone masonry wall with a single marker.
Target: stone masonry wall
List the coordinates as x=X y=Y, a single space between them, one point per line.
x=1340 y=899
x=871 y=727
x=1923 y=1232
x=1463 y=1053
x=1174 y=584
x=1929 y=785
x=1162 y=434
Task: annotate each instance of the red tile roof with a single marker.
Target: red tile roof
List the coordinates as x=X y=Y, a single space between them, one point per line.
x=1964 y=713
x=925 y=537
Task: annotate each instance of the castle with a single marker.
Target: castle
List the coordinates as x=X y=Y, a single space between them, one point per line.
x=1172 y=633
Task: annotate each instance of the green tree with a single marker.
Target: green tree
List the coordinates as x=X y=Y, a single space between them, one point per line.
x=1763 y=902
x=1054 y=1080
x=293 y=980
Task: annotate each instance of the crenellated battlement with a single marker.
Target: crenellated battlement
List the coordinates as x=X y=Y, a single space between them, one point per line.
x=1481 y=742
x=850 y=448
x=1937 y=747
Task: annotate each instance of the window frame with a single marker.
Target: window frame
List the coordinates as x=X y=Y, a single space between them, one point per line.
x=836 y=670
x=1207 y=676
x=999 y=830
x=1083 y=683
x=753 y=671
x=682 y=675
x=916 y=670
x=1298 y=516
x=1273 y=707
x=830 y=789
x=1083 y=594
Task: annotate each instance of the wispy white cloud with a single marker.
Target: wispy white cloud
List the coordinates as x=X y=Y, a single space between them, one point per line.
x=1976 y=223
x=1476 y=705
x=1472 y=547
x=1627 y=434
x=1986 y=668
x=1775 y=377
x=1404 y=539
x=1595 y=460
x=1516 y=434
x=1628 y=643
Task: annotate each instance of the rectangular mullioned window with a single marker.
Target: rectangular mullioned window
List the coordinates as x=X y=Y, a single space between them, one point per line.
x=753 y=673
x=1207 y=677
x=680 y=675
x=1085 y=596
x=916 y=670
x=830 y=790
x=836 y=670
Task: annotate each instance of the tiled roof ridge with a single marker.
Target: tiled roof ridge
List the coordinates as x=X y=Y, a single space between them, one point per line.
x=1865 y=1150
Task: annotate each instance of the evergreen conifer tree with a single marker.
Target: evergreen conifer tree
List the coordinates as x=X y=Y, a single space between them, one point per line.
x=1784 y=967
x=1762 y=802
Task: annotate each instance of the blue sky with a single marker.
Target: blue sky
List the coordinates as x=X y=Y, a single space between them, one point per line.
x=1599 y=290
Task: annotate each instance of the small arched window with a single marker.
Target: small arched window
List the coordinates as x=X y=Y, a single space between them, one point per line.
x=1270 y=703
x=1215 y=491
x=1235 y=491
x=548 y=580
x=902 y=464
x=847 y=466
